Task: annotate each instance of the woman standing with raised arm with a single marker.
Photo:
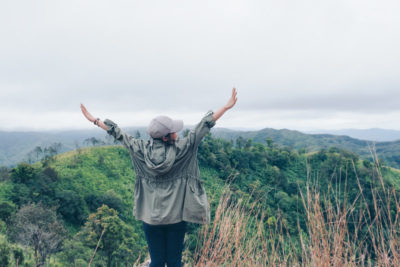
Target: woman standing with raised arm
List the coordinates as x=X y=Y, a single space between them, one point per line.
x=168 y=190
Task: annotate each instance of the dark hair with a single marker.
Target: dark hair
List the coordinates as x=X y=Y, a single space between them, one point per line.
x=169 y=141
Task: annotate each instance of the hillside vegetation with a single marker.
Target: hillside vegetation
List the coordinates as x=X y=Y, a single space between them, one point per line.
x=86 y=198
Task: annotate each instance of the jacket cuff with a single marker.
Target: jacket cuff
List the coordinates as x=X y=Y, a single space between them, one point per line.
x=209 y=120
x=110 y=126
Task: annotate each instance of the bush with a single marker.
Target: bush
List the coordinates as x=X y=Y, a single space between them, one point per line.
x=23 y=173
x=6 y=209
x=72 y=207
x=5 y=251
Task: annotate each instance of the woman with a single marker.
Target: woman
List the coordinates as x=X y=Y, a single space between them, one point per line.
x=168 y=190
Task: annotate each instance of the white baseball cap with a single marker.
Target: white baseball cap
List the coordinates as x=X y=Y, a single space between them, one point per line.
x=162 y=125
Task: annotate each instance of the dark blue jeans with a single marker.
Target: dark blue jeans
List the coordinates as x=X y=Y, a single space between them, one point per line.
x=165 y=243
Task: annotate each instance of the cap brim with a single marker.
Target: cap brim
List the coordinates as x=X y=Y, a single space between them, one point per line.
x=177 y=125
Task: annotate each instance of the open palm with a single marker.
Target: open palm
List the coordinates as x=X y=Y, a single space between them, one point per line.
x=232 y=101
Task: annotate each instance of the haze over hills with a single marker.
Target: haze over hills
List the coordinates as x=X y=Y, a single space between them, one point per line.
x=373 y=134
x=15 y=146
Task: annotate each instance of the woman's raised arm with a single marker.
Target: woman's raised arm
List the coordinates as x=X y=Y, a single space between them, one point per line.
x=92 y=119
x=231 y=102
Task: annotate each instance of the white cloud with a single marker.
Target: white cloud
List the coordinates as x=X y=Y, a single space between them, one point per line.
x=178 y=56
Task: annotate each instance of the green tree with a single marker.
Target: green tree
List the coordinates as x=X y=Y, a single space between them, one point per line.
x=18 y=255
x=248 y=144
x=23 y=173
x=4 y=252
x=51 y=174
x=269 y=142
x=50 y=152
x=20 y=194
x=72 y=206
x=33 y=184
x=4 y=173
x=240 y=142
x=38 y=151
x=74 y=251
x=37 y=226
x=94 y=141
x=6 y=209
x=115 y=240
x=110 y=198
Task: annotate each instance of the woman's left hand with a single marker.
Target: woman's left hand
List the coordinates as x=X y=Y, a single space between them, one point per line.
x=232 y=100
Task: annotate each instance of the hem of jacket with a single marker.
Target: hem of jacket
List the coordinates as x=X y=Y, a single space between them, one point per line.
x=151 y=222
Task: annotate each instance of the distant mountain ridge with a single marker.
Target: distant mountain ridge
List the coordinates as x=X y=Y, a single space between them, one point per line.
x=14 y=146
x=373 y=134
x=389 y=152
x=296 y=139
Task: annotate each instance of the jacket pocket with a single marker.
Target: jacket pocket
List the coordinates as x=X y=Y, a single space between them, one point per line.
x=197 y=187
x=196 y=205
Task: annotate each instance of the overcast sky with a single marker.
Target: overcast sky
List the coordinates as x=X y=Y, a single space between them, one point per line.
x=297 y=64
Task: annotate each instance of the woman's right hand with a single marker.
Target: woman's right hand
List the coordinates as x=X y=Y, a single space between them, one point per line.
x=87 y=114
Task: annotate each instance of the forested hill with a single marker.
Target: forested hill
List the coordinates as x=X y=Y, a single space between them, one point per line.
x=86 y=195
x=389 y=152
x=20 y=146
x=295 y=139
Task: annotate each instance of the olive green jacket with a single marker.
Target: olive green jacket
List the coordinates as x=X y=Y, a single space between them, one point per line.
x=168 y=187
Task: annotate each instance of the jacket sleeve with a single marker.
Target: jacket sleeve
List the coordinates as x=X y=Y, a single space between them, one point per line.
x=127 y=140
x=202 y=128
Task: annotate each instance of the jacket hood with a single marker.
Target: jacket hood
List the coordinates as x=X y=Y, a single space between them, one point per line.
x=159 y=157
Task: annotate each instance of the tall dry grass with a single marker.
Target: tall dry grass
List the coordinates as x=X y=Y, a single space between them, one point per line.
x=238 y=236
x=338 y=232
